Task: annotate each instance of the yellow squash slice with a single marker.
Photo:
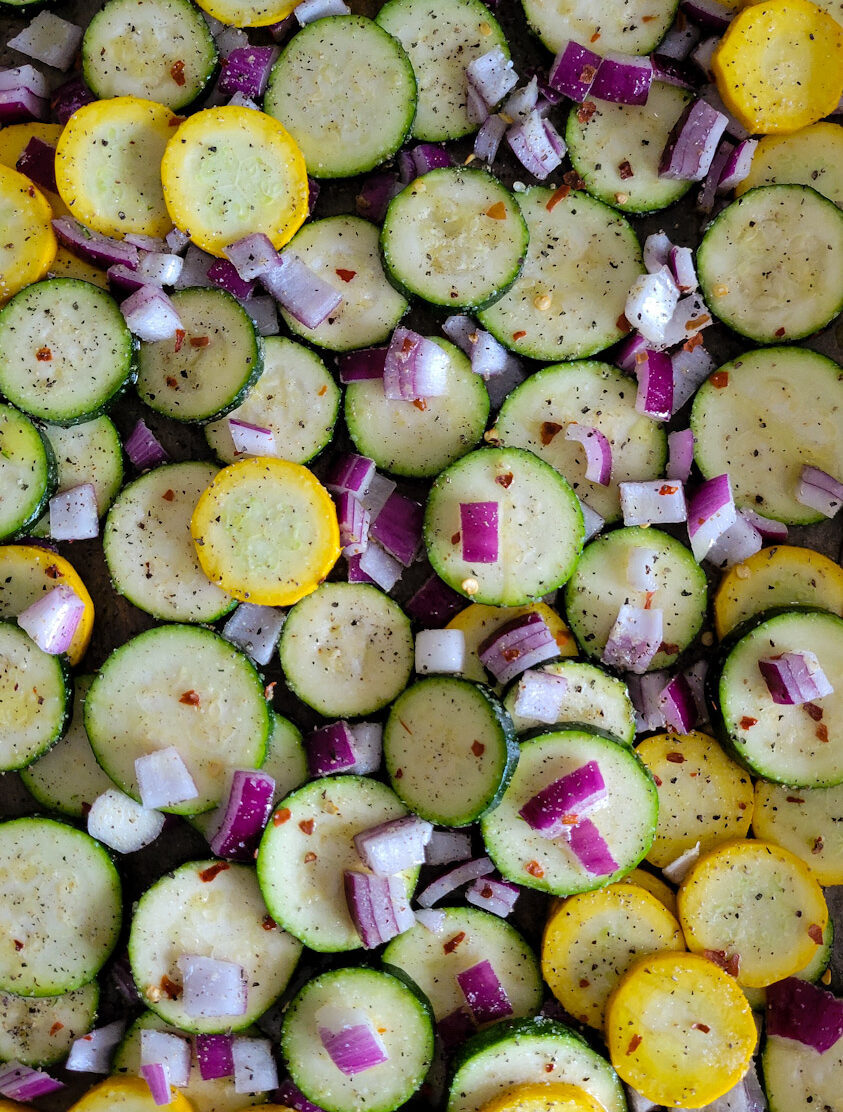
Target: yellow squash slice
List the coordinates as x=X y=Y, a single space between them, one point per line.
x=127 y=1094
x=108 y=162
x=806 y=821
x=755 y=908
x=27 y=241
x=13 y=142
x=655 y=885
x=229 y=172
x=27 y=572
x=479 y=621
x=811 y=156
x=266 y=531
x=248 y=13
x=555 y=1096
x=779 y=65
x=680 y=1030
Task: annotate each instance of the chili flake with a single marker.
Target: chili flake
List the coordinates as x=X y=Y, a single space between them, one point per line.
x=548 y=430
x=452 y=943
x=199 y=341
x=168 y=495
x=497 y=211
x=634 y=1043
x=815 y=933
x=268 y=923
x=562 y=192
x=505 y=480
x=309 y=858
x=345 y=275
x=43 y=355
x=746 y=723
x=190 y=699
x=213 y=871
x=675 y=758
x=478 y=749
x=282 y=815
x=719 y=379
x=177 y=72
x=534 y=869
x=180 y=338
x=306 y=826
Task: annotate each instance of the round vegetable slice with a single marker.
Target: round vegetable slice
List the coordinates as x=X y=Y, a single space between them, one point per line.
x=755 y=909
x=555 y=1096
x=27 y=241
x=126 y=1094
x=38 y=1031
x=27 y=470
x=806 y=821
x=108 y=166
x=249 y=13
x=27 y=572
x=680 y=1030
x=34 y=699
x=812 y=156
x=229 y=172
x=635 y=28
x=266 y=531
x=592 y=698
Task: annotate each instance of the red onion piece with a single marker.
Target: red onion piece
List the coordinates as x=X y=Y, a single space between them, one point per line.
x=480 y=532
x=150 y=314
x=644 y=691
x=497 y=896
x=517 y=645
x=680 y=454
x=311 y=10
x=447 y=846
x=488 y=138
x=223 y=274
x=678 y=869
x=692 y=143
x=122 y=823
x=378 y=906
x=254 y=1066
x=711 y=511
x=681 y=263
x=38 y=163
x=375 y=566
x=255 y=630
x=453 y=879
x=398 y=527
x=591 y=849
x=434 y=603
x=195 y=269
x=429 y=156
x=211 y=987
x=655 y=502
x=352 y=474
x=520 y=104
x=19 y=1082
x=163 y=779
x=598 y=451
x=635 y=638
x=656 y=253
x=246 y=70
x=795 y=678
x=454 y=1028
x=539 y=696
x=673 y=72
x=156 y=1077
x=536 y=145
x=368 y=747
x=292 y=1097
x=820 y=491
x=176 y=241
x=705 y=199
x=375 y=194
x=492 y=75
x=477 y=111
x=552 y=811
x=740 y=541
x=251 y=440
x=214 y=1056
x=802 y=1011
x=73 y=514
x=573 y=71
x=351 y=1041
x=484 y=993
x=769 y=529
x=737 y=166
x=651 y=304
x=49 y=39
x=330 y=749
x=354 y=521
x=124 y=280
x=690 y=370
x=361 y=366
x=68 y=97
x=159 y=268
x=91 y=1053
x=391 y=847
x=171 y=1051
x=92 y=246
x=678 y=705
x=301 y=291
x=25 y=78
x=709 y=13
x=431 y=918
x=592 y=520
x=440 y=652
x=252 y=256
x=623 y=79
x=243 y=816
x=52 y=620
x=19 y=105
x=641 y=569
x=264 y=313
x=415 y=367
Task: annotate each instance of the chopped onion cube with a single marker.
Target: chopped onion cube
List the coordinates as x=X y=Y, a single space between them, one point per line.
x=378 y=906
x=246 y=70
x=690 y=370
x=539 y=696
x=163 y=778
x=172 y=1051
x=311 y=10
x=737 y=166
x=453 y=879
x=680 y=454
x=252 y=256
x=598 y=451
x=378 y=566
x=157 y=1078
x=820 y=491
x=391 y=847
x=488 y=138
x=415 y=367
x=353 y=474
x=795 y=678
x=711 y=511
x=330 y=749
x=497 y=896
x=678 y=869
x=159 y=268
x=431 y=918
x=592 y=520
x=254 y=1066
x=434 y=603
x=536 y=145
x=354 y=521
x=492 y=75
x=251 y=440
x=556 y=808
x=49 y=39
x=740 y=541
x=654 y=371
x=591 y=849
x=91 y=1053
x=223 y=274
x=456 y=1027
x=651 y=304
x=214 y=1056
x=362 y=366
x=121 y=823
x=804 y=1012
x=440 y=652
x=656 y=253
x=573 y=71
x=692 y=143
x=623 y=78
x=517 y=645
x=655 y=502
x=479 y=532
x=19 y=1082
x=635 y=638
x=484 y=993
x=644 y=692
x=681 y=263
x=38 y=163
x=300 y=290
x=239 y=822
x=769 y=529
x=368 y=747
x=446 y=846
x=73 y=514
x=255 y=630
x=52 y=620
x=398 y=527
x=211 y=987
x=25 y=77
x=351 y=1041
x=69 y=97
x=678 y=705
x=150 y=314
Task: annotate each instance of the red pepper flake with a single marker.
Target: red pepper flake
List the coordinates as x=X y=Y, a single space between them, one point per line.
x=322 y=391
x=704 y=1027
x=57 y=1026
x=213 y=871
x=815 y=933
x=174 y=121
x=588 y=74
x=309 y=858
x=511 y=654
x=486 y=892
x=648 y=18
x=519 y=335
x=452 y=943
x=534 y=869
x=345 y=275
x=817 y=847
x=455 y=538
x=697 y=323
x=168 y=495
x=43 y=355
x=52 y=572
x=634 y=1043
x=741 y=805
x=623 y=324
x=268 y=923
x=746 y=723
x=282 y=815
x=173 y=383
x=18 y=944
x=595 y=37
x=693 y=342
x=719 y=379
x=668 y=489
x=548 y=430
x=570 y=818
x=625 y=170
x=505 y=480
x=779 y=332
x=729 y=963
x=813 y=710
x=658 y=780
x=420 y=404
x=795 y=799
x=648 y=599
x=497 y=211
x=573 y=179
x=181 y=335
x=586 y=110
x=199 y=341
x=822 y=732
x=558 y=195
x=177 y=72
x=170 y=987
x=399 y=773
x=189 y=698
x=675 y=758
x=478 y=748
x=306 y=826
x=269 y=690
x=584 y=982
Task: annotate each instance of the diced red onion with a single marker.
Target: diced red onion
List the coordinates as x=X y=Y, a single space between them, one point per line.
x=362 y=366
x=264 y=313
x=593 y=521
x=680 y=454
x=532 y=143
x=292 y=1097
x=302 y=292
x=738 y=165
x=150 y=314
x=623 y=78
x=492 y=75
x=195 y=269
x=398 y=527
x=517 y=645
x=161 y=268
x=124 y=279
x=654 y=502
x=440 y=652
x=804 y=1012
x=393 y=846
x=447 y=846
x=695 y=675
x=484 y=993
x=553 y=810
x=330 y=749
x=415 y=367
x=70 y=96
x=37 y=162
x=477 y=111
x=73 y=514
x=656 y=254
x=223 y=274
x=644 y=691
x=429 y=156
x=655 y=385
x=246 y=70
x=681 y=263
x=25 y=78
x=171 y=1051
x=211 y=987
x=91 y=1053
x=690 y=370
x=819 y=491
x=255 y=630
x=252 y=256
x=497 y=896
x=711 y=94
x=598 y=451
x=352 y=474
x=679 y=868
x=678 y=705
x=52 y=620
x=378 y=906
x=241 y=819
x=769 y=529
x=354 y=521
x=641 y=569
x=251 y=440
x=591 y=849
x=711 y=511
x=176 y=241
x=368 y=747
x=311 y=10
x=520 y=103
x=375 y=194
x=690 y=316
x=453 y=879
x=691 y=145
x=19 y=1082
x=255 y=1070
x=351 y=1041
x=635 y=638
x=163 y=778
x=122 y=823
x=479 y=532
x=706 y=197
x=539 y=696
x=488 y=138
x=156 y=1076
x=19 y=105
x=431 y=918
x=573 y=70
x=92 y=246
x=709 y=13
x=794 y=678
x=488 y=356
x=378 y=567
x=702 y=55
x=456 y=1027
x=49 y=39
x=214 y=1056
x=651 y=303
x=740 y=541
x=434 y=604
x=671 y=72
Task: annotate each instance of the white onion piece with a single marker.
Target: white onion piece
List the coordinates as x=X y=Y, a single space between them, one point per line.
x=432 y=918
x=488 y=138
x=384 y=569
x=73 y=514
x=681 y=263
x=49 y=39
x=539 y=696
x=255 y=630
x=163 y=778
x=255 y=1070
x=158 y=1079
x=819 y=491
x=453 y=879
x=159 y=268
x=711 y=511
x=172 y=1051
x=769 y=529
x=25 y=77
x=52 y=620
x=634 y=639
x=446 y=846
x=91 y=1053
x=690 y=370
x=644 y=692
x=311 y=10
x=492 y=75
x=150 y=314
x=377 y=492
x=211 y=987
x=195 y=269
x=680 y=454
x=598 y=451
x=367 y=746
x=121 y=823
x=656 y=251
x=520 y=104
x=497 y=896
x=251 y=440
x=651 y=303
x=655 y=502
x=440 y=651
x=677 y=870
x=393 y=846
x=539 y=150
x=593 y=521
x=740 y=541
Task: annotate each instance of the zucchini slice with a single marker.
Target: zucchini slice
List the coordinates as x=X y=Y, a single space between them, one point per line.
x=248 y=13
x=27 y=470
x=38 y=1031
x=90 y=452
x=811 y=156
x=636 y=27
x=35 y=696
x=799 y=1079
x=27 y=240
x=592 y=698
